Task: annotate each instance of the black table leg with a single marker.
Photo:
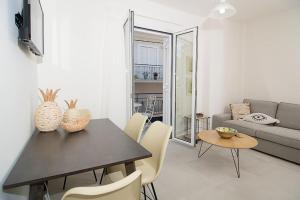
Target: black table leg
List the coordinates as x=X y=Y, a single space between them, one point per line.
x=37 y=192
x=130 y=167
x=65 y=181
x=201 y=154
x=236 y=161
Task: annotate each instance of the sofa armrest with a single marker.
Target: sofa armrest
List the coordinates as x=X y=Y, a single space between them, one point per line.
x=217 y=120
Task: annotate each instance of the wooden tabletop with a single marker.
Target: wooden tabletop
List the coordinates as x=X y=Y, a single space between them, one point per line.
x=57 y=154
x=243 y=141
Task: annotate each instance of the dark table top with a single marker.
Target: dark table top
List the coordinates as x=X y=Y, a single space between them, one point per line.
x=56 y=154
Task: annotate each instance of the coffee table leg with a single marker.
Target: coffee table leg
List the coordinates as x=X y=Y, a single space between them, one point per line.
x=130 y=168
x=236 y=161
x=201 y=154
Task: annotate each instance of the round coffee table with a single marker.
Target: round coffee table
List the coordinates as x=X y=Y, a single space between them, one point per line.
x=241 y=141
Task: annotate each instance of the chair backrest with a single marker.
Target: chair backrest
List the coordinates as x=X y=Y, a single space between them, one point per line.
x=156 y=141
x=135 y=126
x=127 y=188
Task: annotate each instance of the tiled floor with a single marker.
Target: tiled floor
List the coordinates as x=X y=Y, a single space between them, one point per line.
x=213 y=177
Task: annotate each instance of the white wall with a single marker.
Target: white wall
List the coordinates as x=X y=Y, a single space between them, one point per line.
x=84 y=49
x=85 y=53
x=272 y=57
x=18 y=86
x=219 y=65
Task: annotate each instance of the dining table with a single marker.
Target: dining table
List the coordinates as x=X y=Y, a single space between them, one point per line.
x=56 y=154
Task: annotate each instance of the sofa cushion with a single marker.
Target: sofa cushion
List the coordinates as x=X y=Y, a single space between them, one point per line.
x=260 y=118
x=239 y=110
x=266 y=107
x=289 y=115
x=280 y=135
x=242 y=126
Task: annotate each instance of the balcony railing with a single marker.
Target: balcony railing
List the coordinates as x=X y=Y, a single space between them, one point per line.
x=141 y=98
x=148 y=72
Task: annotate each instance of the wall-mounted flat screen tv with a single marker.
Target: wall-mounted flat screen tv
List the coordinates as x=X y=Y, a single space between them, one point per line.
x=31 y=26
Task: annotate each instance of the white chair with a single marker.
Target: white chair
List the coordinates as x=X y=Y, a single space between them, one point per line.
x=127 y=188
x=156 y=141
x=135 y=126
x=133 y=129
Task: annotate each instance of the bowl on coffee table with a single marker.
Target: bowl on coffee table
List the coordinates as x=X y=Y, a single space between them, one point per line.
x=226 y=133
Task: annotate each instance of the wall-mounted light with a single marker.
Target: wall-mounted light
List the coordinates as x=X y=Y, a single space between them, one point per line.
x=223 y=10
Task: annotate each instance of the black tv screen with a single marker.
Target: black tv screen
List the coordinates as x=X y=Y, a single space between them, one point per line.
x=31 y=26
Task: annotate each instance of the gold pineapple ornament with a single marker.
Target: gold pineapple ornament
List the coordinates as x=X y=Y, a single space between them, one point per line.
x=48 y=115
x=74 y=119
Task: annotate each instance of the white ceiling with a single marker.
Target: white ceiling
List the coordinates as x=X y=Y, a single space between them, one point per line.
x=246 y=9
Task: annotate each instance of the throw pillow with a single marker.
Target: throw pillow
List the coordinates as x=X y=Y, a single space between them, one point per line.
x=239 y=110
x=260 y=118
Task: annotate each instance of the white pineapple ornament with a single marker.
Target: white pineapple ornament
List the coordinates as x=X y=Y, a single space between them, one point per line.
x=48 y=115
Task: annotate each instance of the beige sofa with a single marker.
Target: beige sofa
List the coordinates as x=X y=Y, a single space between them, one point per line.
x=281 y=140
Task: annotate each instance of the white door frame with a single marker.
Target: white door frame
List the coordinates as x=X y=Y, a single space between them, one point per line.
x=129 y=62
x=167 y=80
x=194 y=86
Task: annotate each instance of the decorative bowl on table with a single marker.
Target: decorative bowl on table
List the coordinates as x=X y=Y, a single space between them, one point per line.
x=74 y=119
x=226 y=133
x=75 y=126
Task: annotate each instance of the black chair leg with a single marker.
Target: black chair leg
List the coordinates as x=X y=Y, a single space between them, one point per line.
x=95 y=176
x=145 y=196
x=154 y=191
x=64 y=187
x=102 y=175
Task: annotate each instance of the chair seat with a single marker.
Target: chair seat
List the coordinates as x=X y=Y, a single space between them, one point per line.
x=117 y=172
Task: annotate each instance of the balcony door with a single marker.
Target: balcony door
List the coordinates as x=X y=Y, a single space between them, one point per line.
x=177 y=96
x=152 y=74
x=184 y=86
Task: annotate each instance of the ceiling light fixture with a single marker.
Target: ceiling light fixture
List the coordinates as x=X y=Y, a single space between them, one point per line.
x=223 y=10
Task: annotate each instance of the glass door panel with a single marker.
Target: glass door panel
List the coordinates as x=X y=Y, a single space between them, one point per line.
x=184 y=90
